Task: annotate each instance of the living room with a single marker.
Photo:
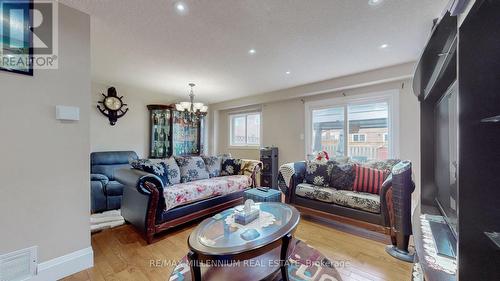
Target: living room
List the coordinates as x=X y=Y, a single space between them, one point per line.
x=249 y=140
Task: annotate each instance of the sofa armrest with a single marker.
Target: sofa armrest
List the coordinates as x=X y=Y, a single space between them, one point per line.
x=142 y=198
x=136 y=178
x=251 y=168
x=97 y=197
x=386 y=203
x=392 y=203
x=289 y=176
x=99 y=177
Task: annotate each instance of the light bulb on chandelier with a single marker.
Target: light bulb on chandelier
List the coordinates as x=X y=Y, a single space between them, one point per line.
x=192 y=110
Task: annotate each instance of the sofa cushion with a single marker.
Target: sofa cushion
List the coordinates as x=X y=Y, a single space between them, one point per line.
x=173 y=171
x=192 y=168
x=112 y=157
x=319 y=193
x=385 y=165
x=230 y=166
x=342 y=176
x=107 y=162
x=213 y=164
x=113 y=188
x=341 y=159
x=156 y=168
x=185 y=193
x=368 y=180
x=318 y=173
x=357 y=200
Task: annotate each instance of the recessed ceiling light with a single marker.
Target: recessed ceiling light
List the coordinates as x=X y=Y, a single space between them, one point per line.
x=287 y=73
x=181 y=7
x=384 y=46
x=252 y=51
x=375 y=2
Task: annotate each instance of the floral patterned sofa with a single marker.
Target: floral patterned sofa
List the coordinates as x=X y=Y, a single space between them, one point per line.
x=333 y=196
x=160 y=194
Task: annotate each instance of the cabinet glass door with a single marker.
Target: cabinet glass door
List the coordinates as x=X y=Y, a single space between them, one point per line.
x=160 y=133
x=185 y=135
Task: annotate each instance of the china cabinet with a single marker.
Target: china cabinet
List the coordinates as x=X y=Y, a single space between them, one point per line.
x=174 y=132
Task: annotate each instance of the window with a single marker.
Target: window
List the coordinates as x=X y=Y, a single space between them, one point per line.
x=245 y=129
x=329 y=122
x=358 y=137
x=366 y=123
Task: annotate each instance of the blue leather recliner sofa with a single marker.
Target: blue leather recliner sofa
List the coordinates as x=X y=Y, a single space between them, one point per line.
x=106 y=192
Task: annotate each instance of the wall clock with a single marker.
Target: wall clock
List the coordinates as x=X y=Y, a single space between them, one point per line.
x=113 y=106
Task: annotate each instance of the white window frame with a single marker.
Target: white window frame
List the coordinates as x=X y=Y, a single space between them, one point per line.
x=231 y=116
x=390 y=96
x=359 y=135
x=386 y=137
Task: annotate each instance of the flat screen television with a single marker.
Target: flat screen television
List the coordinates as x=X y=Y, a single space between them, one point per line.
x=446 y=156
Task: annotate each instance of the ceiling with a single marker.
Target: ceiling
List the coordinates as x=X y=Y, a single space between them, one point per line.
x=150 y=45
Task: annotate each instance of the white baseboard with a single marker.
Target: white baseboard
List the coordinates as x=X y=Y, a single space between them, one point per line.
x=64 y=266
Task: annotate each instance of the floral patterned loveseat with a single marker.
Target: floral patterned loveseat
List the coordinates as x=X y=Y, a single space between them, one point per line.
x=160 y=194
x=333 y=196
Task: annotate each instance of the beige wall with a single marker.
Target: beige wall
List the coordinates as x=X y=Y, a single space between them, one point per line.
x=355 y=81
x=223 y=139
x=44 y=189
x=131 y=132
x=284 y=119
x=282 y=124
x=409 y=134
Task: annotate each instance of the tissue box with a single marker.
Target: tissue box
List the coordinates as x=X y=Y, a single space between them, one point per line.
x=244 y=218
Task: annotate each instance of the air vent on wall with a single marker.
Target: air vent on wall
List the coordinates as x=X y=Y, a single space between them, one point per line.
x=19 y=265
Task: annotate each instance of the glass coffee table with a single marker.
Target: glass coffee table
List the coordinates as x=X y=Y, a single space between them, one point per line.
x=221 y=249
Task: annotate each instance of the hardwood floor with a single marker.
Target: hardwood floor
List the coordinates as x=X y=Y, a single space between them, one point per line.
x=121 y=254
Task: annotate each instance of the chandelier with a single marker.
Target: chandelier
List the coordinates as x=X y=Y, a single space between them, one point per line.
x=192 y=110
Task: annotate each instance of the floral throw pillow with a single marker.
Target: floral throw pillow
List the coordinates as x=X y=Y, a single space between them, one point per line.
x=230 y=167
x=158 y=169
x=174 y=173
x=192 y=168
x=213 y=164
x=318 y=173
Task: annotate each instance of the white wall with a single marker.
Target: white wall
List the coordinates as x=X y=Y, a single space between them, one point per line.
x=283 y=115
x=44 y=172
x=131 y=132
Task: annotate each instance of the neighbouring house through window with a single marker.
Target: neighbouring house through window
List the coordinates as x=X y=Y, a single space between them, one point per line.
x=366 y=122
x=358 y=137
x=244 y=129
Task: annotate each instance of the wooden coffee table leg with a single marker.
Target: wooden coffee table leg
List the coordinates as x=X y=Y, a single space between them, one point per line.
x=284 y=256
x=194 y=264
